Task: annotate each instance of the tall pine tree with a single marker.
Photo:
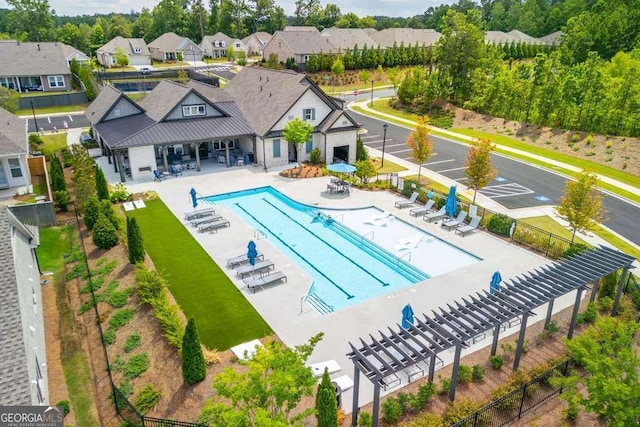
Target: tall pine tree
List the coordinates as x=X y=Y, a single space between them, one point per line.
x=135 y=243
x=194 y=368
x=56 y=172
x=326 y=403
x=101 y=185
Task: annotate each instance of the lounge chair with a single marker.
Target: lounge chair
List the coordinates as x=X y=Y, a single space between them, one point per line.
x=241 y=259
x=457 y=222
x=214 y=225
x=203 y=220
x=405 y=244
x=475 y=221
x=254 y=282
x=175 y=171
x=406 y=203
x=158 y=176
x=380 y=220
x=257 y=268
x=435 y=215
x=199 y=214
x=421 y=210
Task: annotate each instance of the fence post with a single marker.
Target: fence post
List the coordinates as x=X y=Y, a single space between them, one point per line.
x=548 y=245
x=524 y=393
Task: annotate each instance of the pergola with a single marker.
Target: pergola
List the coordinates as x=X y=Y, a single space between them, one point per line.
x=464 y=322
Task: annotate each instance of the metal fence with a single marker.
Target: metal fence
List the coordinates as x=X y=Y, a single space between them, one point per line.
x=518 y=402
x=40 y=214
x=53 y=100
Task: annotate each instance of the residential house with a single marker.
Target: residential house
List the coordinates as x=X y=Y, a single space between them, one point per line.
x=217 y=45
x=23 y=360
x=70 y=53
x=513 y=36
x=298 y=28
x=348 y=38
x=14 y=149
x=272 y=98
x=44 y=66
x=553 y=39
x=135 y=49
x=256 y=42
x=172 y=47
x=299 y=45
x=389 y=37
x=173 y=124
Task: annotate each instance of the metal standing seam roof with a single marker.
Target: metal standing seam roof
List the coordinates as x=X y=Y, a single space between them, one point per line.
x=463 y=320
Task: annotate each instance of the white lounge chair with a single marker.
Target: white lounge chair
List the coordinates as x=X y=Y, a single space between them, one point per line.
x=475 y=221
x=380 y=219
x=405 y=244
x=402 y=203
x=254 y=282
x=457 y=222
x=435 y=215
x=421 y=210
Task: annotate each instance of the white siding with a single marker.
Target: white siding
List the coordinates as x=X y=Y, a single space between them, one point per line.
x=338 y=139
x=142 y=157
x=193 y=99
x=21 y=183
x=122 y=109
x=139 y=60
x=268 y=152
x=341 y=123
x=308 y=100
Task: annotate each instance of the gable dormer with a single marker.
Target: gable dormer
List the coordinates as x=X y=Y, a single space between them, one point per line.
x=193 y=106
x=341 y=122
x=123 y=107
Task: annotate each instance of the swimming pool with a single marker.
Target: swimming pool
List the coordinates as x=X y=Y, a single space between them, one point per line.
x=346 y=268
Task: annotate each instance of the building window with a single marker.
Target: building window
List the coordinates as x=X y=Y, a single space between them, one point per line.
x=7 y=82
x=276 y=148
x=14 y=166
x=137 y=50
x=309 y=114
x=220 y=145
x=194 y=110
x=238 y=45
x=56 y=81
x=305 y=58
x=309 y=146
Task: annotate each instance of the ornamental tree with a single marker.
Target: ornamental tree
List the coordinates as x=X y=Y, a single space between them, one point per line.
x=134 y=240
x=326 y=403
x=479 y=170
x=420 y=143
x=102 y=189
x=194 y=368
x=105 y=235
x=581 y=203
x=297 y=132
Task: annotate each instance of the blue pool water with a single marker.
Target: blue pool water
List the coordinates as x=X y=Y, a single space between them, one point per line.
x=346 y=268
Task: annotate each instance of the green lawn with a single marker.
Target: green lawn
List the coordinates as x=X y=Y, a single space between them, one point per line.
x=51 y=110
x=203 y=291
x=548 y=224
x=54 y=243
x=53 y=142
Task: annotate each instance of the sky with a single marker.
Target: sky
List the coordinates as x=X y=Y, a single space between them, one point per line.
x=393 y=8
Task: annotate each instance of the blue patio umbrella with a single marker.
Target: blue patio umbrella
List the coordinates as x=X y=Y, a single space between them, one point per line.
x=494 y=286
x=451 y=205
x=252 y=252
x=194 y=197
x=407 y=316
x=341 y=168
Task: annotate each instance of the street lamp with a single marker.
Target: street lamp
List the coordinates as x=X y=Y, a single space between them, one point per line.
x=384 y=141
x=371 y=105
x=33 y=110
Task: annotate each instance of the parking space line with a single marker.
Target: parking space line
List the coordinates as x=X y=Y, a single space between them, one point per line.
x=452 y=169
x=439 y=161
x=505 y=190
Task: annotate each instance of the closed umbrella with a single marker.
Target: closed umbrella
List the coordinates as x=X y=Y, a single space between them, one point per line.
x=494 y=286
x=407 y=316
x=252 y=252
x=451 y=205
x=194 y=197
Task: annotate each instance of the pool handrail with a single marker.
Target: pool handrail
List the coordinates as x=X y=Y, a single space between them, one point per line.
x=403 y=255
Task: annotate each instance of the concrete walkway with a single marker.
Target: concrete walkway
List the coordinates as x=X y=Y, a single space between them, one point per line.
x=550 y=162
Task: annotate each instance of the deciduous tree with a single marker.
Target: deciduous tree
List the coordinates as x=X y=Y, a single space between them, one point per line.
x=420 y=143
x=581 y=203
x=479 y=169
x=33 y=18
x=297 y=132
x=9 y=99
x=122 y=59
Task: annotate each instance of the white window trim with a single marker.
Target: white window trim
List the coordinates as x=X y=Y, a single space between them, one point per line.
x=17 y=167
x=54 y=81
x=196 y=110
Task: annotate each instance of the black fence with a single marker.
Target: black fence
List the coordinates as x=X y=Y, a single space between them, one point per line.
x=518 y=402
x=134 y=81
x=53 y=100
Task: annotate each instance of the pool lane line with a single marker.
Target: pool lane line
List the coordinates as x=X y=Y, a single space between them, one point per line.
x=324 y=241
x=349 y=296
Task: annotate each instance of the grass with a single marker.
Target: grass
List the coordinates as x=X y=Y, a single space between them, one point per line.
x=54 y=243
x=440 y=188
x=53 y=143
x=171 y=64
x=389 y=166
x=224 y=317
x=548 y=224
x=622 y=245
x=52 y=110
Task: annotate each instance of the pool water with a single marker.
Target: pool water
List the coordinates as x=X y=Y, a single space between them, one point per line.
x=346 y=268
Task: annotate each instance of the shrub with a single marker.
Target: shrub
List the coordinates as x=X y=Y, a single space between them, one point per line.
x=464 y=374
x=146 y=399
x=314 y=156
x=507 y=350
x=149 y=285
x=605 y=304
x=361 y=151
x=391 y=410
x=119 y=193
x=365 y=419
x=133 y=341
x=496 y=361
x=35 y=141
x=61 y=200
x=65 y=406
x=134 y=240
x=552 y=327
x=58 y=183
x=194 y=368
x=427 y=420
x=106 y=208
x=121 y=318
x=136 y=365
x=588 y=315
x=109 y=337
x=445 y=385
x=608 y=285
x=500 y=224
x=459 y=409
x=478 y=373
x=574 y=249
x=211 y=356
x=105 y=235
x=425 y=392
x=102 y=190
x=91 y=211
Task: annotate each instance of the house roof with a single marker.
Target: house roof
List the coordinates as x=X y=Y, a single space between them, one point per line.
x=32 y=59
x=305 y=42
x=301 y=28
x=15 y=387
x=103 y=103
x=219 y=36
x=513 y=36
x=409 y=36
x=71 y=52
x=261 y=36
x=170 y=42
x=13 y=134
x=128 y=44
x=347 y=38
x=552 y=39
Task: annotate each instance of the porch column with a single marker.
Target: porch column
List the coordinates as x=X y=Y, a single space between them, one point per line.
x=549 y=313
x=454 y=373
x=574 y=315
x=375 y=416
x=120 y=166
x=523 y=329
x=197 y=157
x=108 y=152
x=114 y=154
x=496 y=337
x=226 y=149
x=255 y=150
x=165 y=161
x=356 y=391
x=616 y=301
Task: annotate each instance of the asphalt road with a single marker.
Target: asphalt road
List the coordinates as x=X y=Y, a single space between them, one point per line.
x=47 y=123
x=518 y=184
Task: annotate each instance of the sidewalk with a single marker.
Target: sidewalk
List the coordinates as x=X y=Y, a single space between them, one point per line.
x=550 y=162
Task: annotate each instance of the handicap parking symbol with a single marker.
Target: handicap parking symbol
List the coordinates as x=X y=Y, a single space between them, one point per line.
x=542 y=198
x=500 y=179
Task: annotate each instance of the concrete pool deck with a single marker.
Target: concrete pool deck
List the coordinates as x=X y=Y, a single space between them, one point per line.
x=283 y=306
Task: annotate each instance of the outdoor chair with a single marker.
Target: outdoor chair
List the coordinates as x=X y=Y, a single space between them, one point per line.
x=380 y=219
x=475 y=221
x=203 y=220
x=158 y=176
x=457 y=222
x=242 y=259
x=199 y=214
x=213 y=226
x=259 y=267
x=421 y=210
x=406 y=244
x=435 y=215
x=406 y=203
x=267 y=279
x=175 y=170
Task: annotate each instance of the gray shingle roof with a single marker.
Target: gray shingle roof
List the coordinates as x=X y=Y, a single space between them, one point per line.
x=347 y=38
x=513 y=36
x=14 y=375
x=128 y=44
x=305 y=42
x=28 y=59
x=552 y=39
x=168 y=42
x=103 y=103
x=409 y=36
x=218 y=37
x=307 y=29
x=13 y=134
x=262 y=37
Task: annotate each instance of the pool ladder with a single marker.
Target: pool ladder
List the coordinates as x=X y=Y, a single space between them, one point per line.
x=364 y=236
x=404 y=256
x=257 y=233
x=316 y=302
